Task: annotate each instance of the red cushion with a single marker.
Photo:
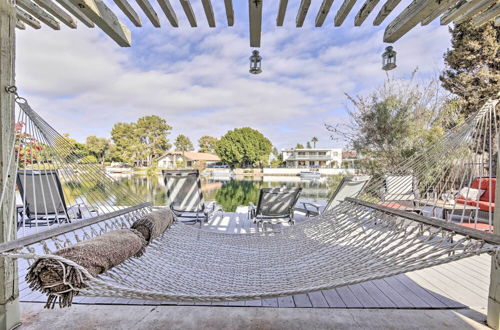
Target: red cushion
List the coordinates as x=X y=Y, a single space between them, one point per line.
x=484 y=184
x=483 y=206
x=394 y=206
x=478 y=226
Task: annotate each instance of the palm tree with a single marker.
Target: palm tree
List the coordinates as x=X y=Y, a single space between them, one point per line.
x=314 y=140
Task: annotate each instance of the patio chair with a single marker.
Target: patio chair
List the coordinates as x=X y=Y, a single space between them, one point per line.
x=349 y=186
x=43 y=200
x=185 y=197
x=399 y=190
x=275 y=203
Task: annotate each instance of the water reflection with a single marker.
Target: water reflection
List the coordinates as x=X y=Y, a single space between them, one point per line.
x=230 y=193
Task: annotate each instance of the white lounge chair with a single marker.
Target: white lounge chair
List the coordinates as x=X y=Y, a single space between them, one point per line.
x=43 y=199
x=185 y=197
x=349 y=186
x=275 y=203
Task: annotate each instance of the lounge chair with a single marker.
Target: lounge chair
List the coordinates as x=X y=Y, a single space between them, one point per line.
x=349 y=186
x=185 y=197
x=399 y=190
x=43 y=199
x=275 y=203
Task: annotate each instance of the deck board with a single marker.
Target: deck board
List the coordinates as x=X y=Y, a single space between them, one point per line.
x=317 y=299
x=454 y=285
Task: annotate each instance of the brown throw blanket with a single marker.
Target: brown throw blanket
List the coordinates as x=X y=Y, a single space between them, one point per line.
x=154 y=224
x=97 y=255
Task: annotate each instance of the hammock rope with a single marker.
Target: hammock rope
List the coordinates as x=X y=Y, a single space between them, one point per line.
x=357 y=241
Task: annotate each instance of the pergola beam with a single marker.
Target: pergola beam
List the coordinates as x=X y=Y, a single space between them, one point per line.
x=456 y=11
x=188 y=10
x=127 y=9
x=365 y=10
x=39 y=13
x=104 y=18
x=473 y=10
x=57 y=12
x=343 y=12
x=386 y=9
x=255 y=13
x=281 y=12
x=150 y=12
x=302 y=12
x=209 y=12
x=9 y=284
x=409 y=18
x=76 y=12
x=28 y=19
x=438 y=11
x=229 y=12
x=487 y=15
x=20 y=25
x=323 y=12
x=169 y=12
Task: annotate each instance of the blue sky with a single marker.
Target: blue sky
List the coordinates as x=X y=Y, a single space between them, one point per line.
x=197 y=78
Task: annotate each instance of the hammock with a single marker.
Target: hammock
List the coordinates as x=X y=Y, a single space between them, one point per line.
x=358 y=240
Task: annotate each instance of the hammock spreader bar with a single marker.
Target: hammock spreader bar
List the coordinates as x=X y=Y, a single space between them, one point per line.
x=60 y=230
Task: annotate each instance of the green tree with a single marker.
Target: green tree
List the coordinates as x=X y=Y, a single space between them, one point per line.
x=140 y=142
x=299 y=146
x=314 y=140
x=207 y=144
x=97 y=147
x=126 y=141
x=308 y=145
x=153 y=132
x=244 y=146
x=473 y=64
x=395 y=121
x=183 y=143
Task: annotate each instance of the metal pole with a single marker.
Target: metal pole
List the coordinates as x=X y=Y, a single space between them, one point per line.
x=493 y=318
x=9 y=286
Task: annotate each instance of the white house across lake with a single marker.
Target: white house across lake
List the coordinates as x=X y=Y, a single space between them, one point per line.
x=307 y=158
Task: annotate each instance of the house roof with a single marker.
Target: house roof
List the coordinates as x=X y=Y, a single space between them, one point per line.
x=190 y=155
x=201 y=156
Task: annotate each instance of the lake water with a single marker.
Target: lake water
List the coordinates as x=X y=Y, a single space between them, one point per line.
x=232 y=192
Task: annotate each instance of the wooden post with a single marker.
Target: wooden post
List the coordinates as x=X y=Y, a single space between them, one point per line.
x=493 y=318
x=9 y=290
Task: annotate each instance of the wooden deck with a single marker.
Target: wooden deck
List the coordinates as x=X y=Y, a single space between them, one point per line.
x=458 y=284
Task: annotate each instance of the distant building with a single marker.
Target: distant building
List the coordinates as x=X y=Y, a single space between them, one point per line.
x=349 y=159
x=174 y=159
x=326 y=158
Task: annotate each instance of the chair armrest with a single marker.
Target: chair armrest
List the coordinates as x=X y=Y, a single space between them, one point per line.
x=316 y=206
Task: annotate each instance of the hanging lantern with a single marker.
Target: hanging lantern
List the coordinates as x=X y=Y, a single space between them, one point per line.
x=255 y=61
x=389 y=59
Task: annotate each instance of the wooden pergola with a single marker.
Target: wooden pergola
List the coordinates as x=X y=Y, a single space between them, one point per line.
x=96 y=13
x=92 y=13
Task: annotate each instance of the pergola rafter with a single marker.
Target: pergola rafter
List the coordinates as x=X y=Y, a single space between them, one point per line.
x=37 y=13
x=323 y=12
x=127 y=9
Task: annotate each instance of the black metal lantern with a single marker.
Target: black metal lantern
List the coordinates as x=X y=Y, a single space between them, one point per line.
x=255 y=61
x=389 y=59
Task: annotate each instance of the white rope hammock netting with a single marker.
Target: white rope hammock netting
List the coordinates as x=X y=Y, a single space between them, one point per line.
x=373 y=237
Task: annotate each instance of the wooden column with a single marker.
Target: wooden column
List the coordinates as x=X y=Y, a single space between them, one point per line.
x=9 y=293
x=493 y=318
